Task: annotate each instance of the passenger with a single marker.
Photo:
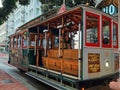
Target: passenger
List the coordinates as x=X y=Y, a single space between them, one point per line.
x=62 y=44
x=19 y=41
x=38 y=40
x=68 y=42
x=105 y=40
x=115 y=85
x=24 y=41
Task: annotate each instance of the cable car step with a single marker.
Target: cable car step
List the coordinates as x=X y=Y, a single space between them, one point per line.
x=52 y=83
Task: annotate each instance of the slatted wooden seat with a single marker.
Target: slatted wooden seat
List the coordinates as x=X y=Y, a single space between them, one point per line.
x=70 y=67
x=44 y=61
x=70 y=62
x=70 y=54
x=54 y=62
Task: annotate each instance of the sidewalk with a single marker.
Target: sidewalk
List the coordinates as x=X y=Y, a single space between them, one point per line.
x=4 y=57
x=7 y=82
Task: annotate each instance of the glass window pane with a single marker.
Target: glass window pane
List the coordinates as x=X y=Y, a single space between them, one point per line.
x=114 y=34
x=19 y=41
x=106 y=31
x=56 y=41
x=15 y=41
x=25 y=39
x=92 y=29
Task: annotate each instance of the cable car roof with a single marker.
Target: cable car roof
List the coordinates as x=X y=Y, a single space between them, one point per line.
x=73 y=16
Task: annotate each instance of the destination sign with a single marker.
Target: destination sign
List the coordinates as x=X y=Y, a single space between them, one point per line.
x=111 y=9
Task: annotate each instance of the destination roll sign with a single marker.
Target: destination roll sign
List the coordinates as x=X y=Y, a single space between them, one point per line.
x=111 y=9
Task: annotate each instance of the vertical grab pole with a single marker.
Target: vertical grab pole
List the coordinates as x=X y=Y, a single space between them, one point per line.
x=45 y=51
x=35 y=45
x=79 y=51
x=45 y=43
x=28 y=45
x=59 y=40
x=37 y=51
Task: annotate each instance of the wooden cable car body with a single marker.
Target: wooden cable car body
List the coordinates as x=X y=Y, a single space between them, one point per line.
x=91 y=53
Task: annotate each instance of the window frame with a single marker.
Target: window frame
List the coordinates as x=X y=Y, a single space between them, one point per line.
x=11 y=40
x=116 y=46
x=92 y=44
x=14 y=41
x=23 y=41
x=110 y=33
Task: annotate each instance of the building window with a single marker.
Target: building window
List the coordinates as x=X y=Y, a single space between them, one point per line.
x=31 y=12
x=37 y=11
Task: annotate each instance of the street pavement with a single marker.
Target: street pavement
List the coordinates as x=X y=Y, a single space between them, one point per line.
x=7 y=82
x=12 y=79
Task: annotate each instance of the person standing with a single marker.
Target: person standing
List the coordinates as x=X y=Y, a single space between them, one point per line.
x=115 y=85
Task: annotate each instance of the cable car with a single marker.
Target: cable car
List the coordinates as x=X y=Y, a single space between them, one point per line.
x=74 y=49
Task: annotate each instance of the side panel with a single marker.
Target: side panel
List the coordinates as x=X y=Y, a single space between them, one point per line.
x=107 y=64
x=98 y=61
x=19 y=58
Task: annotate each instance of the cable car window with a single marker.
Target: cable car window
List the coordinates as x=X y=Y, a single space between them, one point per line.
x=38 y=40
x=92 y=29
x=106 y=32
x=19 y=41
x=11 y=42
x=56 y=42
x=15 y=42
x=32 y=39
x=25 y=39
x=75 y=40
x=115 y=32
x=44 y=43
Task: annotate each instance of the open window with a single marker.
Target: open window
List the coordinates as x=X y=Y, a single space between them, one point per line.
x=56 y=41
x=35 y=40
x=24 y=40
x=32 y=40
x=115 y=35
x=15 y=42
x=19 y=41
x=106 y=32
x=92 y=33
x=11 y=41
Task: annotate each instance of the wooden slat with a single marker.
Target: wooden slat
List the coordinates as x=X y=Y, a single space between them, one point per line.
x=70 y=54
x=54 y=64
x=70 y=67
x=54 y=53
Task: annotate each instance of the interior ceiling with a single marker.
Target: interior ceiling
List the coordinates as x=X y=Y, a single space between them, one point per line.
x=70 y=20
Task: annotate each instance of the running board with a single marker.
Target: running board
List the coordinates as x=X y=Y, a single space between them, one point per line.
x=56 y=85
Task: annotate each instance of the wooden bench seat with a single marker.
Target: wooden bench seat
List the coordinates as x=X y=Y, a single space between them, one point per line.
x=70 y=67
x=54 y=64
x=67 y=65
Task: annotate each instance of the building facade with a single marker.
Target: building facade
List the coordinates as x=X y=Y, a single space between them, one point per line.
x=3 y=36
x=22 y=15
